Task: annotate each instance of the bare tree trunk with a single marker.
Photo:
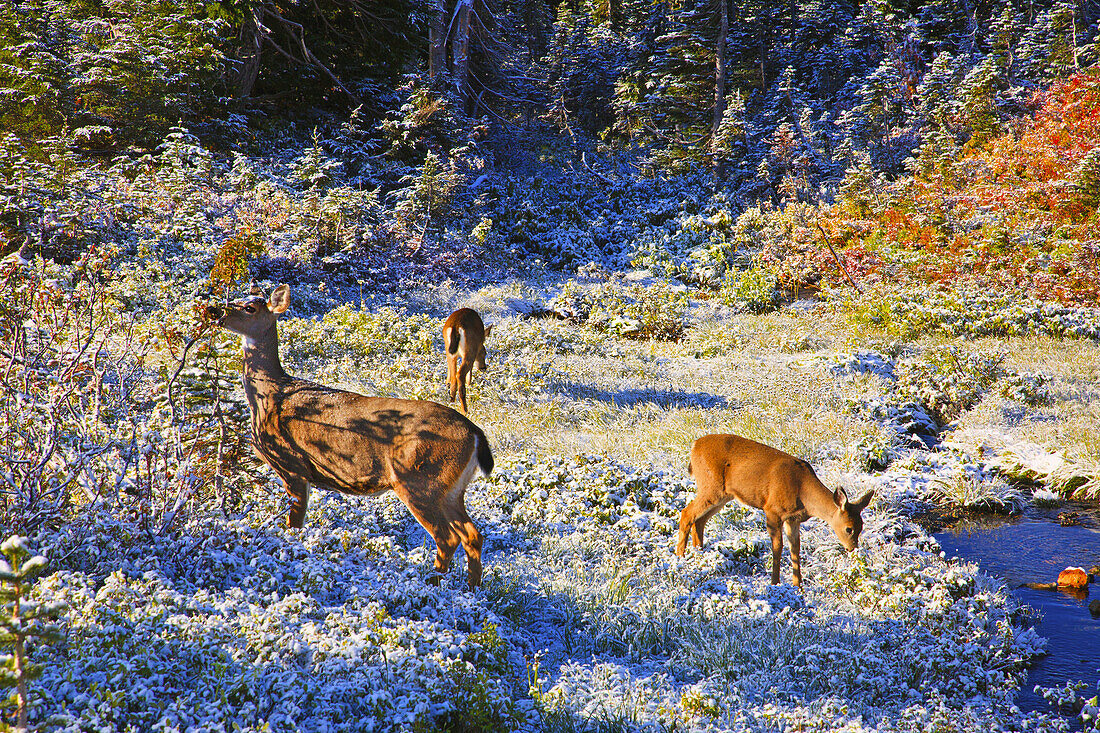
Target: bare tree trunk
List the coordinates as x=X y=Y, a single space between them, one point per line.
x=764 y=45
x=23 y=699
x=534 y=22
x=794 y=23
x=437 y=41
x=720 y=66
x=461 y=50
x=1073 y=24
x=615 y=14
x=719 y=84
x=251 y=46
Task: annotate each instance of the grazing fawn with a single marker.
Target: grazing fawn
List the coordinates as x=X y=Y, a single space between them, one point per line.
x=464 y=338
x=308 y=433
x=787 y=489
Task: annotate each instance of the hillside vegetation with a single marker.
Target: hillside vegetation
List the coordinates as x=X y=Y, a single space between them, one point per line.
x=873 y=244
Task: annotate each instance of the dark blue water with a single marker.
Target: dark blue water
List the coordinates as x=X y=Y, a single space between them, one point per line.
x=1034 y=549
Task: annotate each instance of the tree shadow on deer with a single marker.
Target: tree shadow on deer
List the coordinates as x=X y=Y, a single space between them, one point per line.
x=426 y=453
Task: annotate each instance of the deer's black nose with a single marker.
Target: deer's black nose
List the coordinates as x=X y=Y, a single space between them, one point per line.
x=215 y=312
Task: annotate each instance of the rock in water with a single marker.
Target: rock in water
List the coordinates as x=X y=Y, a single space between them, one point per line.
x=1073 y=578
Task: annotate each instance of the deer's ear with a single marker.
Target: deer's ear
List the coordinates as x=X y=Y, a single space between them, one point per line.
x=280 y=299
x=862 y=503
x=840 y=498
x=488 y=329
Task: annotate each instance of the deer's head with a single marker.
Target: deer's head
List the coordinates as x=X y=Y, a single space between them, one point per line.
x=254 y=316
x=847 y=522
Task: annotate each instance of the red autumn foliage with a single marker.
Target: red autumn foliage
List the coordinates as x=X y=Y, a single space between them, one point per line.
x=1018 y=212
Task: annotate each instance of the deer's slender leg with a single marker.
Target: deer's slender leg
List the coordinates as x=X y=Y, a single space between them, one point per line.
x=471 y=542
x=693 y=519
x=460 y=523
x=428 y=505
x=687 y=523
x=452 y=374
x=463 y=377
x=701 y=523
x=446 y=539
x=298 y=490
x=446 y=542
x=775 y=529
x=796 y=561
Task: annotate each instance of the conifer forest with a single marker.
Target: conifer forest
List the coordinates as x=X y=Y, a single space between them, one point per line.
x=865 y=233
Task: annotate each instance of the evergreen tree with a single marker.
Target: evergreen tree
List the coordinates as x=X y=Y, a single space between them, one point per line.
x=674 y=106
x=22 y=620
x=119 y=72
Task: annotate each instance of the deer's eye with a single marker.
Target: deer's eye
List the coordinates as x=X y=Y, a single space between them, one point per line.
x=848 y=530
x=249 y=309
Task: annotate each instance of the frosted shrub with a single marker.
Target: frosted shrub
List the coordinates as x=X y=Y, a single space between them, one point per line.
x=1030 y=388
x=549 y=490
x=386 y=332
x=947 y=381
x=328 y=630
x=1069 y=697
x=913 y=312
x=654 y=312
x=909 y=422
x=429 y=196
x=315 y=168
x=692 y=247
x=871 y=453
x=755 y=290
x=971 y=487
x=574 y=302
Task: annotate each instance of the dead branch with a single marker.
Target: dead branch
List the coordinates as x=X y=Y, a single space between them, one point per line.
x=837 y=258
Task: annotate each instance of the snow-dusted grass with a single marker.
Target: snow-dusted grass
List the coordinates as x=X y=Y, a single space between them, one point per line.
x=586 y=620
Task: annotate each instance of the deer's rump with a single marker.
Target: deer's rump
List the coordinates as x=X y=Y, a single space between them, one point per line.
x=363 y=445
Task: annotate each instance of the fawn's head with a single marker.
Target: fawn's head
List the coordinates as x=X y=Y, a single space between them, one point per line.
x=254 y=316
x=847 y=522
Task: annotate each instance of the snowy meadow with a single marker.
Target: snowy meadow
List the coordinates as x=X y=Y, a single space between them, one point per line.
x=866 y=234
x=189 y=615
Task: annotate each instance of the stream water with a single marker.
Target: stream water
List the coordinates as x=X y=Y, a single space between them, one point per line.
x=1034 y=548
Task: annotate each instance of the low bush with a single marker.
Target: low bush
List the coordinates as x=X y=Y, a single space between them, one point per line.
x=637 y=311
x=947 y=380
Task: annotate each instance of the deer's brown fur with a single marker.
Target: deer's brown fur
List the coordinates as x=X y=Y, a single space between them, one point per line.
x=424 y=452
x=464 y=336
x=729 y=467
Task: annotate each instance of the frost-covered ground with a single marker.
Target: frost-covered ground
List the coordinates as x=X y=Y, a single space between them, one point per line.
x=587 y=620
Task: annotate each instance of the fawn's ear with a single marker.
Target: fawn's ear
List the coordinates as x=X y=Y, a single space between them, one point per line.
x=840 y=498
x=488 y=329
x=280 y=299
x=862 y=503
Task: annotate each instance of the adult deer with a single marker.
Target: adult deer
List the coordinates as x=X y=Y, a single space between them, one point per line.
x=464 y=337
x=787 y=489
x=424 y=452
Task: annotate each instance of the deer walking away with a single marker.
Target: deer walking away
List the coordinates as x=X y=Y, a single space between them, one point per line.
x=729 y=467
x=464 y=336
x=424 y=452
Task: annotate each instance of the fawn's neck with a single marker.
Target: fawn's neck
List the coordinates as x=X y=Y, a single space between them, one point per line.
x=817 y=499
